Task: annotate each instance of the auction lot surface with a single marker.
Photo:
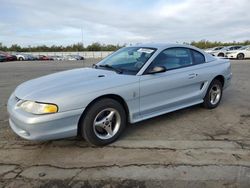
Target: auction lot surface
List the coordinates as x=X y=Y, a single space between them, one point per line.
x=193 y=147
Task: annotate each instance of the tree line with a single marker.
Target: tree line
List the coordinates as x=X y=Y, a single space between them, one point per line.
x=203 y=44
x=54 y=48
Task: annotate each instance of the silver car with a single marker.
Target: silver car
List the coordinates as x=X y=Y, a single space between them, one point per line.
x=133 y=84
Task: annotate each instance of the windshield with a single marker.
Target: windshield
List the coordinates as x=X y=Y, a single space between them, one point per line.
x=128 y=60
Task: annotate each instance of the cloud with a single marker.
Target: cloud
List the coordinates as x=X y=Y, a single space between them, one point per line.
x=28 y=22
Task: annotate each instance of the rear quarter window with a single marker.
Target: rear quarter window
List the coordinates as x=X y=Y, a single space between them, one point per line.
x=198 y=57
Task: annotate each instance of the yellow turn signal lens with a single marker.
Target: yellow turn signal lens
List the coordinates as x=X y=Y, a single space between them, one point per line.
x=50 y=108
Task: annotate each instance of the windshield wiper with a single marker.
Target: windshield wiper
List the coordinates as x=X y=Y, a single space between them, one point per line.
x=119 y=71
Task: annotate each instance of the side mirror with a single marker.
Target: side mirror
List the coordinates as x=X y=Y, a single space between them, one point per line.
x=157 y=69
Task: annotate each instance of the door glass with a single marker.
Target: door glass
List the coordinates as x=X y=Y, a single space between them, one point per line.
x=173 y=58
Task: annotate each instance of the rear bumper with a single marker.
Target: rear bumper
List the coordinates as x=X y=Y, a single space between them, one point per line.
x=43 y=127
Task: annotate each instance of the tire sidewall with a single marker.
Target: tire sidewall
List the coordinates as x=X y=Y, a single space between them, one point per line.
x=207 y=103
x=240 y=56
x=87 y=130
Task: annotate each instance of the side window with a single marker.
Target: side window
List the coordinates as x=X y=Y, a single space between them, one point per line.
x=198 y=57
x=218 y=48
x=173 y=58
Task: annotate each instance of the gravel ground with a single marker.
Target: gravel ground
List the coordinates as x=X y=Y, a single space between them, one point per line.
x=193 y=147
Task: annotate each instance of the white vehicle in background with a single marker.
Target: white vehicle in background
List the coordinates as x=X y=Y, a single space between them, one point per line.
x=69 y=58
x=25 y=57
x=57 y=58
x=242 y=53
x=222 y=52
x=73 y=57
x=21 y=57
x=212 y=50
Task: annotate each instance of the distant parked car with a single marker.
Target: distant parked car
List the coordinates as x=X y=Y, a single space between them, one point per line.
x=212 y=50
x=44 y=58
x=3 y=58
x=8 y=56
x=78 y=57
x=242 y=53
x=22 y=57
x=57 y=58
x=222 y=51
x=32 y=57
x=74 y=57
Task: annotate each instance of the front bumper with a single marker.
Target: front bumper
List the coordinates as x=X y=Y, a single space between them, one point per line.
x=42 y=127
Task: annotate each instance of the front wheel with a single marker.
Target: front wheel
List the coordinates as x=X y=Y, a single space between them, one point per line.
x=214 y=94
x=103 y=122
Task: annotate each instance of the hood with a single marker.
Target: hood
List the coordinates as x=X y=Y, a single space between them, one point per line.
x=70 y=83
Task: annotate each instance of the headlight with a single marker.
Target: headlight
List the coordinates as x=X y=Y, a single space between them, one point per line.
x=38 y=108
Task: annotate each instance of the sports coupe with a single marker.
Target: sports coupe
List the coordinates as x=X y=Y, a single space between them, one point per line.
x=132 y=84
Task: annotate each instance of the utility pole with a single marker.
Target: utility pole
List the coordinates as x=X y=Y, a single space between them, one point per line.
x=82 y=41
x=82 y=36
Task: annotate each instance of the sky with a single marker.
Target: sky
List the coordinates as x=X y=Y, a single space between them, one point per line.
x=64 y=22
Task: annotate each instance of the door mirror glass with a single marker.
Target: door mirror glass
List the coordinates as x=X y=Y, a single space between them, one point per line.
x=157 y=69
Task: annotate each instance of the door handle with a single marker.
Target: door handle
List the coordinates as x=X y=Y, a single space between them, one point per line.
x=193 y=75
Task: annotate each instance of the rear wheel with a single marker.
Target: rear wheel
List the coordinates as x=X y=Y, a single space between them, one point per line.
x=240 y=56
x=214 y=94
x=103 y=122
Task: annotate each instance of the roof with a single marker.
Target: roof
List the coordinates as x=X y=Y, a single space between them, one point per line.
x=157 y=45
x=161 y=46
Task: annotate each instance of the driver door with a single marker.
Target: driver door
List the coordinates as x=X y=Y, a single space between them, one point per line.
x=176 y=88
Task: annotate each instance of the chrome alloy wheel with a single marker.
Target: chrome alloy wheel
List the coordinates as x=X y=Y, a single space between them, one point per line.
x=107 y=123
x=215 y=94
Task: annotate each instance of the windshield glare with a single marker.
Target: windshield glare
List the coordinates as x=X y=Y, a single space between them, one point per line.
x=129 y=60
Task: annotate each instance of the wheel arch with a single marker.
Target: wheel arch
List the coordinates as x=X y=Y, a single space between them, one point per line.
x=241 y=53
x=110 y=96
x=221 y=79
x=221 y=54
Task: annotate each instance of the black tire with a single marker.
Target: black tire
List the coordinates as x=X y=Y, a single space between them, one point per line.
x=207 y=99
x=87 y=123
x=221 y=55
x=240 y=56
x=20 y=59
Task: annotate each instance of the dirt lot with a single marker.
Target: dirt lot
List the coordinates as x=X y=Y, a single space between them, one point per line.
x=193 y=147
